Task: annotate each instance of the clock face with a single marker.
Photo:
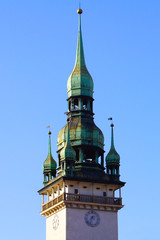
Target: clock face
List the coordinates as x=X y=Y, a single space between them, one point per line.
x=92 y=218
x=55 y=222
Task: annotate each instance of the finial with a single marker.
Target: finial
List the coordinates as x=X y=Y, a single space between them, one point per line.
x=49 y=130
x=112 y=138
x=79 y=11
x=111 y=119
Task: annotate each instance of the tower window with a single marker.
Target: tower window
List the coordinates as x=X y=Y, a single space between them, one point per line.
x=77 y=155
x=84 y=187
x=76 y=191
x=98 y=188
x=104 y=194
x=69 y=106
x=76 y=104
x=85 y=104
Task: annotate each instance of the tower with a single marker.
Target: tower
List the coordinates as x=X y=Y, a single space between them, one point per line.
x=78 y=197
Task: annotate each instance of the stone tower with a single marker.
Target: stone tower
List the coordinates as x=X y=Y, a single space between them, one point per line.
x=78 y=197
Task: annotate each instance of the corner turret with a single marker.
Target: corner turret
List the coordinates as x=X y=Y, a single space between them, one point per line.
x=67 y=157
x=113 y=159
x=49 y=166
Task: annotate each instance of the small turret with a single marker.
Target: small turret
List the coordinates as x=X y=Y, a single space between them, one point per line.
x=113 y=159
x=49 y=166
x=67 y=156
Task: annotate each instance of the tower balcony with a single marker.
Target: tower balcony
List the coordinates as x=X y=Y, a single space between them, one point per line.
x=69 y=198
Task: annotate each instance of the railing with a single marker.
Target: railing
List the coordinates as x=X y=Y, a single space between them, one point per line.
x=53 y=202
x=82 y=198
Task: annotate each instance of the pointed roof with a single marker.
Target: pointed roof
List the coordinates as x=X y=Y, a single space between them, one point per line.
x=80 y=81
x=112 y=156
x=50 y=163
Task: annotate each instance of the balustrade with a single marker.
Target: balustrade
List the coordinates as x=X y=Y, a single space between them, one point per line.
x=82 y=198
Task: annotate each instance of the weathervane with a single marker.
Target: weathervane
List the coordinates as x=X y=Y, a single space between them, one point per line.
x=111 y=119
x=49 y=130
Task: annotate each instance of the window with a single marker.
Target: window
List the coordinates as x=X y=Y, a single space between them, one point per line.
x=85 y=104
x=104 y=194
x=69 y=106
x=76 y=104
x=76 y=191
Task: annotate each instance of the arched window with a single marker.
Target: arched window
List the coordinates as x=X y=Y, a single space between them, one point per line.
x=84 y=104
x=76 y=107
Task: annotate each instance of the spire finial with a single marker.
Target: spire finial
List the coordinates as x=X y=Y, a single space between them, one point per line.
x=49 y=133
x=79 y=11
x=112 y=137
x=49 y=151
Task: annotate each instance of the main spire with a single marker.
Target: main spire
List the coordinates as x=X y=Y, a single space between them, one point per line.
x=80 y=60
x=80 y=81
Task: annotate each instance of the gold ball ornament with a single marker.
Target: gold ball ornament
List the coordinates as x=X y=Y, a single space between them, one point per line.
x=79 y=11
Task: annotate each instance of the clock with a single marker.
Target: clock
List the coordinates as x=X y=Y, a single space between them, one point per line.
x=92 y=218
x=55 y=222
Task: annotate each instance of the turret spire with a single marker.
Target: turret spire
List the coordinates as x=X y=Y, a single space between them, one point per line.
x=49 y=166
x=49 y=150
x=112 y=137
x=113 y=158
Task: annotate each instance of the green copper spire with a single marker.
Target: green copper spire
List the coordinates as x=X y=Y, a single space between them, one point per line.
x=80 y=81
x=49 y=166
x=80 y=61
x=112 y=156
x=49 y=151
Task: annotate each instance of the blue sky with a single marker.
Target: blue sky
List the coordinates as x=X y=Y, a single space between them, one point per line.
x=37 y=53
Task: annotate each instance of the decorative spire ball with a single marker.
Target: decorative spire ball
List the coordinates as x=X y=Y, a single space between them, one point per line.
x=79 y=11
x=49 y=132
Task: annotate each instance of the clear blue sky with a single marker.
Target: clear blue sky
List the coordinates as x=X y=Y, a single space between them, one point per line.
x=37 y=53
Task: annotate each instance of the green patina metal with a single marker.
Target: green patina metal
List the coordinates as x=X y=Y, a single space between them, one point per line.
x=112 y=158
x=67 y=156
x=86 y=138
x=80 y=81
x=83 y=131
x=68 y=153
x=80 y=142
x=50 y=165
